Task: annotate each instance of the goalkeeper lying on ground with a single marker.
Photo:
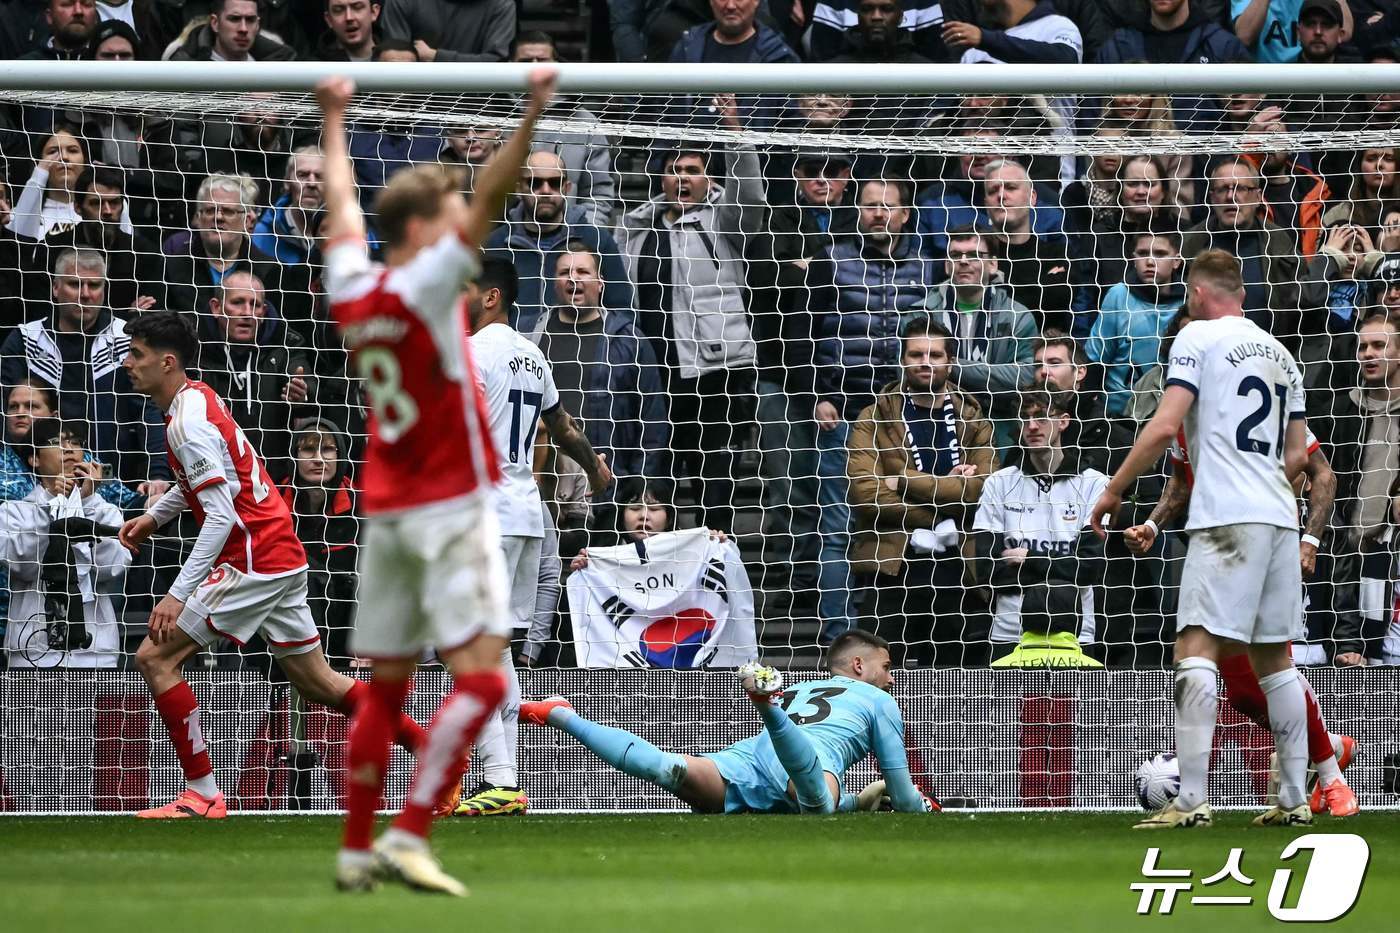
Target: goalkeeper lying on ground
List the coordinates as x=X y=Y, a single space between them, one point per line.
x=812 y=734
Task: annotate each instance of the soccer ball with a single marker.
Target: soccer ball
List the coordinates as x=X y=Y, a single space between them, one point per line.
x=1158 y=781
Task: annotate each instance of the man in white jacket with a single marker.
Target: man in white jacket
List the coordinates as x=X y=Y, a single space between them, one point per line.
x=64 y=503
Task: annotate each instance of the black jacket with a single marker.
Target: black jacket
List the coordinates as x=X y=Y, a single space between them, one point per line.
x=199 y=47
x=250 y=380
x=1037 y=273
x=779 y=312
x=135 y=266
x=190 y=281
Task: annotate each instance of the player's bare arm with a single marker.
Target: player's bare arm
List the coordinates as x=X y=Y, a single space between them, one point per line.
x=136 y=531
x=500 y=175
x=1140 y=538
x=1322 y=492
x=571 y=440
x=344 y=219
x=1295 y=448
x=1151 y=442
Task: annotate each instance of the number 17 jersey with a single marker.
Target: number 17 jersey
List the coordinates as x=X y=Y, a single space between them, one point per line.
x=1247 y=389
x=429 y=437
x=518 y=386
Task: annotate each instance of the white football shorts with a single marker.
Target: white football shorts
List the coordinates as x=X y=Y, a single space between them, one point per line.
x=234 y=605
x=433 y=577
x=1243 y=582
x=522 y=559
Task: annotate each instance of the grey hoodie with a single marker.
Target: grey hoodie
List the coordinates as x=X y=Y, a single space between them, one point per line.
x=708 y=292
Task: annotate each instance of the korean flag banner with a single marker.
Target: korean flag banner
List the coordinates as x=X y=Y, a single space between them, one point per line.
x=676 y=599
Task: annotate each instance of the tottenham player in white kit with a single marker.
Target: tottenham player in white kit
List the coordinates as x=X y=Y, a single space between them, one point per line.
x=519 y=388
x=1240 y=395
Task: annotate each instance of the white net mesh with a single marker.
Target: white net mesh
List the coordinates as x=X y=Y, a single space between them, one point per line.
x=724 y=289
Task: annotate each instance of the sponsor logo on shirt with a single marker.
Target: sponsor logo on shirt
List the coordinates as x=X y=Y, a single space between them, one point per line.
x=1037 y=546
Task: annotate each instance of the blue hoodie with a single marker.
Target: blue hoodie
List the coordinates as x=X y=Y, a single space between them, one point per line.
x=1127 y=337
x=275 y=235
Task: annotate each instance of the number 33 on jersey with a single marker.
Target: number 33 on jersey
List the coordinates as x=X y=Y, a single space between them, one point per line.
x=429 y=437
x=1247 y=388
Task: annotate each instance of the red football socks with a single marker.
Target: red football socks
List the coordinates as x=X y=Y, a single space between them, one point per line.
x=455 y=726
x=380 y=705
x=179 y=710
x=408 y=734
x=1242 y=691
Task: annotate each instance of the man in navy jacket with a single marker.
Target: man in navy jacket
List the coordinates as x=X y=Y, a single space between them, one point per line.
x=734 y=37
x=1177 y=34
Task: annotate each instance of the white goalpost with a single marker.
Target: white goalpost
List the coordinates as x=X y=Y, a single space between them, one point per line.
x=723 y=266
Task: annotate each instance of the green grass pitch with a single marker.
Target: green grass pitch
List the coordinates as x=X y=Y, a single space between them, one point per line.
x=1029 y=873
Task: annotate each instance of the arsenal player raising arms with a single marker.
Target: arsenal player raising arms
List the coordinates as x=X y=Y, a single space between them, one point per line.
x=246 y=574
x=432 y=565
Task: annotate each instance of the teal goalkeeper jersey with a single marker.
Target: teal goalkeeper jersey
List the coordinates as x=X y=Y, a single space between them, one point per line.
x=846 y=720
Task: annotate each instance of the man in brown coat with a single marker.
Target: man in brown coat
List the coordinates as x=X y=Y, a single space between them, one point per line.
x=917 y=461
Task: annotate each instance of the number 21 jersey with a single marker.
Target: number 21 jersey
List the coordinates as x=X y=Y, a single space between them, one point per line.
x=429 y=439
x=1247 y=389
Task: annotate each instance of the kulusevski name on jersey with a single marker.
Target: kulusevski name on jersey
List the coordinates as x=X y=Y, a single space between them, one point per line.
x=1245 y=351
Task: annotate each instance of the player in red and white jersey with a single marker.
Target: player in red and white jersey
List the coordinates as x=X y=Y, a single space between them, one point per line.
x=432 y=566
x=246 y=574
x=1329 y=752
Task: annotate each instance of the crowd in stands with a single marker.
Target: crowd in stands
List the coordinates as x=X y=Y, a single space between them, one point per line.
x=931 y=364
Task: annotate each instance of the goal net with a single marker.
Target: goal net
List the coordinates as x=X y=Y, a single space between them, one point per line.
x=884 y=337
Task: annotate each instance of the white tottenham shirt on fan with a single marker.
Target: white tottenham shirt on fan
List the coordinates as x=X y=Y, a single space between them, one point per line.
x=519 y=386
x=1047 y=521
x=1247 y=388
